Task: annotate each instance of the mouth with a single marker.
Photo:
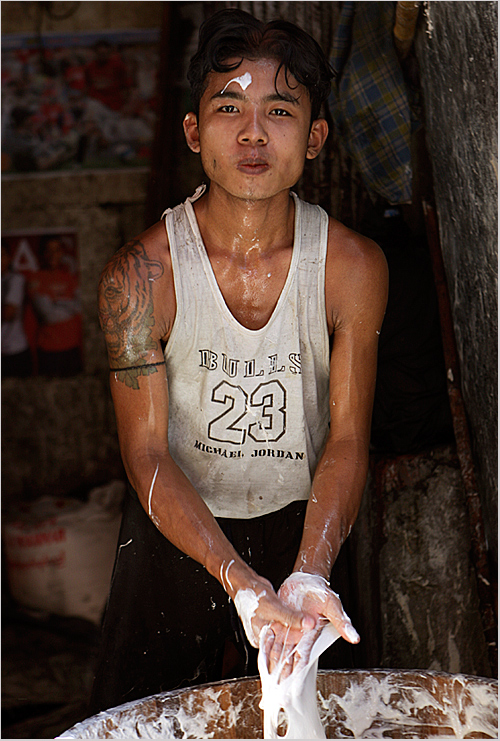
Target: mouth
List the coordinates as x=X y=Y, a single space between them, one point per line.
x=251 y=166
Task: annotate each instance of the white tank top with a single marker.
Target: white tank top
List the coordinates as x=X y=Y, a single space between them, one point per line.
x=248 y=409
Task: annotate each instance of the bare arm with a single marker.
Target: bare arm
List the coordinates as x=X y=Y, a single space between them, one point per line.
x=356 y=292
x=137 y=310
x=356 y=296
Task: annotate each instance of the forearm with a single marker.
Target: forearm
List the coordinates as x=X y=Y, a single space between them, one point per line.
x=183 y=518
x=331 y=511
x=333 y=505
x=181 y=515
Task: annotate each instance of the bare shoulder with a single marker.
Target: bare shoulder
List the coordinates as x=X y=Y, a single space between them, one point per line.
x=136 y=299
x=146 y=252
x=348 y=249
x=356 y=276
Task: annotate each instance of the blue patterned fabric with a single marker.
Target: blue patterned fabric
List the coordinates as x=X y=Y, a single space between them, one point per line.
x=369 y=101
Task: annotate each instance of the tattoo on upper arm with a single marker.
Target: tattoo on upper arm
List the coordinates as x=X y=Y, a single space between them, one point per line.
x=129 y=376
x=126 y=311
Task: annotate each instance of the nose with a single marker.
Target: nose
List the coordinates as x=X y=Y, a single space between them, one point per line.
x=253 y=132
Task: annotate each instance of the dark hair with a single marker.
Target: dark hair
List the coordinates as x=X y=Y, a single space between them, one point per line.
x=233 y=33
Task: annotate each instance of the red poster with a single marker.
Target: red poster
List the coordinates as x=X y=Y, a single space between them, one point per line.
x=41 y=304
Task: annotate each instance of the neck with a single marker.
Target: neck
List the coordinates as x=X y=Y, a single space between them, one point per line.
x=244 y=227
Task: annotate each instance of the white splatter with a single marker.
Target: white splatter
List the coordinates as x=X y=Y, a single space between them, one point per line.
x=243 y=81
x=373 y=704
x=247 y=603
x=224 y=577
x=151 y=489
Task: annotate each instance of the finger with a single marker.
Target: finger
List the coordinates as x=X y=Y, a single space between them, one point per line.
x=342 y=622
x=295 y=650
x=287 y=665
x=294 y=619
x=267 y=637
x=282 y=650
x=304 y=647
x=350 y=633
x=275 y=654
x=287 y=654
x=296 y=657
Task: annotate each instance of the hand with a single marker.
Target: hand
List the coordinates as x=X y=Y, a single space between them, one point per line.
x=311 y=594
x=259 y=606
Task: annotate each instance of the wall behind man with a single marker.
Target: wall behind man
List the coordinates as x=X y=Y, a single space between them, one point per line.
x=58 y=435
x=457 y=53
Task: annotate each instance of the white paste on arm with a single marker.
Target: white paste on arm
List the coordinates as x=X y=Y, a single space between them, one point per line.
x=247 y=603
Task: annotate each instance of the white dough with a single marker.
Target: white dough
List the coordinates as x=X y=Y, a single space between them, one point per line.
x=295 y=695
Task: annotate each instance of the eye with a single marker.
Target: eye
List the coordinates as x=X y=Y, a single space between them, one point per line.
x=228 y=108
x=280 y=112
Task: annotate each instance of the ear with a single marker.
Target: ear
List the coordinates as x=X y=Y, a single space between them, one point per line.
x=317 y=137
x=191 y=131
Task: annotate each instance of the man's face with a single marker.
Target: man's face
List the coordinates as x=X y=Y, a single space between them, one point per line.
x=253 y=135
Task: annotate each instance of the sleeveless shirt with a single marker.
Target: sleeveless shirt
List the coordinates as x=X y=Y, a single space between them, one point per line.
x=248 y=409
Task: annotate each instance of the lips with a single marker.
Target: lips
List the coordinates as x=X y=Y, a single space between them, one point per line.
x=253 y=165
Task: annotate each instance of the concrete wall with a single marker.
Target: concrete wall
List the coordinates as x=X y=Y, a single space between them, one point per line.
x=418 y=605
x=457 y=52
x=58 y=435
x=25 y=17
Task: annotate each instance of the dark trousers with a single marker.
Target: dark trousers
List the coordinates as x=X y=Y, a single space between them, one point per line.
x=167 y=619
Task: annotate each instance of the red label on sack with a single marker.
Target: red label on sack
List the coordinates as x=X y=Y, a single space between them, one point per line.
x=30 y=540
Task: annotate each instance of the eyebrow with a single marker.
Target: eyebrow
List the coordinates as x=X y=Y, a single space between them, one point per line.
x=272 y=98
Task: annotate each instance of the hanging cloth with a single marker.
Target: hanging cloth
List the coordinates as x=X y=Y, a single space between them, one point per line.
x=369 y=102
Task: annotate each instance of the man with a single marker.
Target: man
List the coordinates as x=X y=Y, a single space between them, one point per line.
x=246 y=446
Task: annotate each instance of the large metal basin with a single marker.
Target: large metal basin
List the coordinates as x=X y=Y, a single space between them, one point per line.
x=353 y=704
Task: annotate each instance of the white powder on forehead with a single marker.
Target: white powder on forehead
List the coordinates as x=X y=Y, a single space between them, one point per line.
x=295 y=696
x=243 y=81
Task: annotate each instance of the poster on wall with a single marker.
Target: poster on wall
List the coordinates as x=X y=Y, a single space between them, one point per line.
x=41 y=304
x=78 y=101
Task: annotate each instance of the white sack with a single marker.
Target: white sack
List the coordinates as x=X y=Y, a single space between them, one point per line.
x=60 y=552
